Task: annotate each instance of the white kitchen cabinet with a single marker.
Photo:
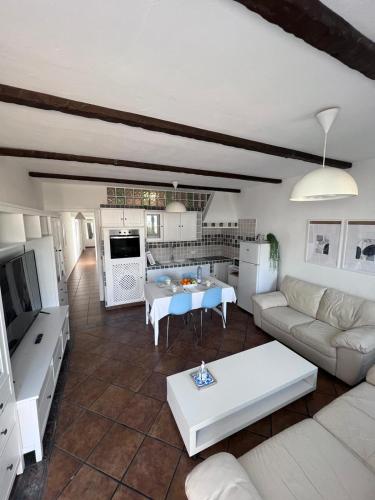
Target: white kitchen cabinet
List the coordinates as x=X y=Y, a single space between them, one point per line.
x=188 y=226
x=221 y=271
x=180 y=226
x=172 y=229
x=154 y=226
x=112 y=217
x=120 y=217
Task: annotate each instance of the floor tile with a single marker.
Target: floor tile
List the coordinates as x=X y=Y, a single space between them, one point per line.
x=84 y=434
x=141 y=413
x=165 y=428
x=61 y=469
x=155 y=387
x=116 y=450
x=152 y=468
x=113 y=401
x=317 y=400
x=170 y=364
x=131 y=376
x=87 y=392
x=67 y=413
x=89 y=484
x=243 y=441
x=125 y=493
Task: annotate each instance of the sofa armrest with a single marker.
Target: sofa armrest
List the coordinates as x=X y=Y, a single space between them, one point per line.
x=370 y=377
x=222 y=477
x=361 y=339
x=268 y=300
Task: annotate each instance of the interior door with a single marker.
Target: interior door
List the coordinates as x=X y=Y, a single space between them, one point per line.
x=89 y=233
x=247 y=285
x=188 y=226
x=172 y=229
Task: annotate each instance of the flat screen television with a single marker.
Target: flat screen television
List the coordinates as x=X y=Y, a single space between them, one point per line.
x=21 y=296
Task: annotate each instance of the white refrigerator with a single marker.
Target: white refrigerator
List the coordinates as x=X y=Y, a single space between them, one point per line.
x=256 y=275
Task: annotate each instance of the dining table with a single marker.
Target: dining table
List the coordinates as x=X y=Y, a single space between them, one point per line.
x=158 y=297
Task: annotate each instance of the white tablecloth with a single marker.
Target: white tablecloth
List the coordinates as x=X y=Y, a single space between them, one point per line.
x=158 y=300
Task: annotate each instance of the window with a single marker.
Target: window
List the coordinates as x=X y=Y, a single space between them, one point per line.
x=154 y=226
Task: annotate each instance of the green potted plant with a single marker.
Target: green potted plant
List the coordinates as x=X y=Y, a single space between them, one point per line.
x=274 y=250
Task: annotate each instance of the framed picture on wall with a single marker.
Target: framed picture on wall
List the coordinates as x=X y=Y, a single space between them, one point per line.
x=324 y=242
x=359 y=250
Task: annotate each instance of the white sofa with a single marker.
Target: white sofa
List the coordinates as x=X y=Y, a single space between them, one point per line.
x=334 y=330
x=329 y=457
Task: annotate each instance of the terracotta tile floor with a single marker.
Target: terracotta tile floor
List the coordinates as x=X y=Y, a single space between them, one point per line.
x=114 y=435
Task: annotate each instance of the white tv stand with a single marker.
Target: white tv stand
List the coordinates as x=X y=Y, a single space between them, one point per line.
x=35 y=369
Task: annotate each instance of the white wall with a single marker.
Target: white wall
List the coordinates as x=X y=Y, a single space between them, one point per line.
x=69 y=196
x=16 y=187
x=74 y=240
x=270 y=205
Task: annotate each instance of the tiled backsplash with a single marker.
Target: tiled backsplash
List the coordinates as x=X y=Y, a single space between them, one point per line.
x=151 y=199
x=213 y=241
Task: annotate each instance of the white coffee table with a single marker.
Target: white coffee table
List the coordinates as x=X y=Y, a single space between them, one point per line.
x=250 y=385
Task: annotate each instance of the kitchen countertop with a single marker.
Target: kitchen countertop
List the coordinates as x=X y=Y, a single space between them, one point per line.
x=190 y=262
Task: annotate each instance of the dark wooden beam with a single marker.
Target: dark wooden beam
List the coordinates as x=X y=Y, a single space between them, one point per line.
x=48 y=155
x=321 y=27
x=39 y=100
x=112 y=180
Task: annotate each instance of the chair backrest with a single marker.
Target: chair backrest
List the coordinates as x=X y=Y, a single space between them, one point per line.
x=189 y=275
x=181 y=303
x=212 y=298
x=162 y=279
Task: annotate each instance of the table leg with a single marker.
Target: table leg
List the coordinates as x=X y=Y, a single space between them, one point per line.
x=147 y=305
x=224 y=307
x=156 y=332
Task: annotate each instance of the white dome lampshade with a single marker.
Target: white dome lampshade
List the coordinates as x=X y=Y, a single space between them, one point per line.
x=325 y=183
x=175 y=206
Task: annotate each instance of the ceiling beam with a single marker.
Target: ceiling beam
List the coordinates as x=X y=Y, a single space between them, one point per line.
x=112 y=180
x=48 y=155
x=39 y=100
x=321 y=28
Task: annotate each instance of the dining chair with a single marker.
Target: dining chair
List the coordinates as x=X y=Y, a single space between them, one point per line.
x=180 y=304
x=212 y=299
x=162 y=279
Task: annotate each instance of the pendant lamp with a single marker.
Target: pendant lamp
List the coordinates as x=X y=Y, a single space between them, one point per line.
x=175 y=206
x=325 y=183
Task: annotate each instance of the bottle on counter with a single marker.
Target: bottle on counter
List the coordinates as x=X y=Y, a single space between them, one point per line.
x=199 y=274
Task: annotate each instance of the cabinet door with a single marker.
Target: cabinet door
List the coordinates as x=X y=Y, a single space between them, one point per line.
x=221 y=271
x=172 y=226
x=134 y=217
x=112 y=217
x=154 y=226
x=188 y=226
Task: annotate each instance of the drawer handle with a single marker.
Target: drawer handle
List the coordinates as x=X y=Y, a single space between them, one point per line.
x=4 y=432
x=10 y=467
x=59 y=357
x=1 y=406
x=49 y=397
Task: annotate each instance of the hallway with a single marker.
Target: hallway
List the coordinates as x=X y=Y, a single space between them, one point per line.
x=114 y=435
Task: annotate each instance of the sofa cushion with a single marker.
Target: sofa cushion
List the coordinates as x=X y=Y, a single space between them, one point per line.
x=305 y=462
x=351 y=418
x=317 y=335
x=271 y=299
x=367 y=314
x=220 y=477
x=339 y=309
x=285 y=317
x=301 y=295
x=360 y=339
x=370 y=377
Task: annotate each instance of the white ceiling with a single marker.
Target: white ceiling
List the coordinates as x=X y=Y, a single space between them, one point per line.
x=211 y=64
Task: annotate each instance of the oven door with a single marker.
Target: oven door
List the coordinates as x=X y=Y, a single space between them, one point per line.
x=125 y=247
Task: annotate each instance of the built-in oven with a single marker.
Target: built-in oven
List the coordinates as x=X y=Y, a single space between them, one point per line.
x=125 y=243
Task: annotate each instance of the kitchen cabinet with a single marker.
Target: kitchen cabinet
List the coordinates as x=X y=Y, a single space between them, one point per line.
x=172 y=229
x=122 y=217
x=180 y=226
x=221 y=271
